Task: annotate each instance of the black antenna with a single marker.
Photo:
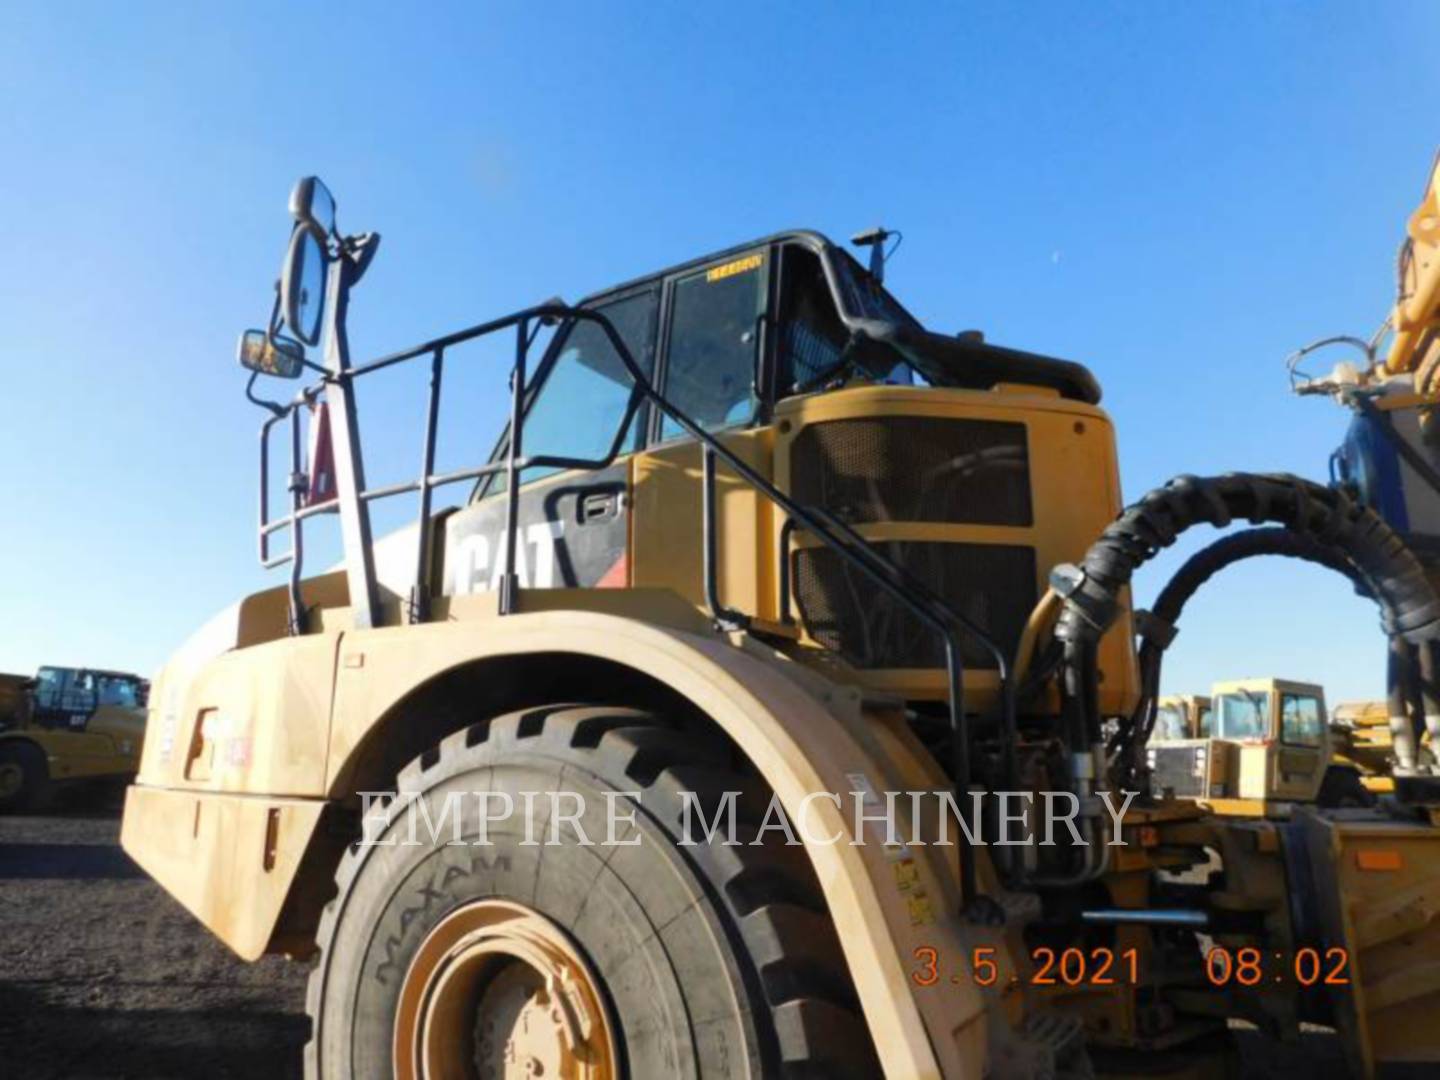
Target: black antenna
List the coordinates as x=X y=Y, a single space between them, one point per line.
x=875 y=240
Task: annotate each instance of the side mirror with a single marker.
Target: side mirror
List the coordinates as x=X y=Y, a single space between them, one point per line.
x=312 y=205
x=271 y=355
x=302 y=284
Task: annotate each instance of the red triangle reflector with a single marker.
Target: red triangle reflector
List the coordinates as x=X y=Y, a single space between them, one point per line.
x=322 y=458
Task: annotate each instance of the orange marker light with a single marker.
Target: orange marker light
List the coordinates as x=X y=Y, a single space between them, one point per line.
x=1378 y=860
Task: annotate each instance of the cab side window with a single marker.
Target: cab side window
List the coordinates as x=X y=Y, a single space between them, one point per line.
x=118 y=692
x=49 y=688
x=578 y=409
x=81 y=695
x=582 y=397
x=64 y=697
x=811 y=334
x=1299 y=720
x=714 y=335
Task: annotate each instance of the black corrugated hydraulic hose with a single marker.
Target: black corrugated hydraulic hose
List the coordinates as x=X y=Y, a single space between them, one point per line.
x=1159 y=626
x=1335 y=530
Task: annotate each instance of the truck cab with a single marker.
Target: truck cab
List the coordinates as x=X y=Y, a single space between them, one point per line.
x=943 y=451
x=68 y=724
x=1262 y=745
x=1182 y=716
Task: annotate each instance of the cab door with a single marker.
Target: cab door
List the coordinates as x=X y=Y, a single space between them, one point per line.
x=64 y=698
x=573 y=526
x=714 y=349
x=1300 y=754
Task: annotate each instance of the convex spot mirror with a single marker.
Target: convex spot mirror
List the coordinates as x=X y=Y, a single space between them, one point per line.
x=302 y=281
x=271 y=354
x=312 y=205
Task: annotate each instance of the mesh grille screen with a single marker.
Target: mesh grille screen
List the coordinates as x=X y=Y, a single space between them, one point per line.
x=991 y=584
x=1179 y=769
x=915 y=468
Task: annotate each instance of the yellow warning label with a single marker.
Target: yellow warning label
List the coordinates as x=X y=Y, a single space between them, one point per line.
x=737 y=266
x=921 y=913
x=906 y=874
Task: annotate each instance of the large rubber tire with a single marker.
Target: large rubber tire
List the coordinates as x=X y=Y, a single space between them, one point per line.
x=26 y=761
x=717 y=961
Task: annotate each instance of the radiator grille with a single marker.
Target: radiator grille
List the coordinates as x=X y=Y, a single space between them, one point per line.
x=1180 y=769
x=991 y=584
x=915 y=468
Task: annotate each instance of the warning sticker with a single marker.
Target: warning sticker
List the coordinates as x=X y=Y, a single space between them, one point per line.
x=736 y=266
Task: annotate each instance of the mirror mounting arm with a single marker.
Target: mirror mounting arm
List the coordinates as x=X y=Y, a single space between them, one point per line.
x=349 y=463
x=359 y=251
x=274 y=408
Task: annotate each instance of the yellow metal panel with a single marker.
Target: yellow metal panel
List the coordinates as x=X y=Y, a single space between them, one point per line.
x=1414 y=315
x=1378 y=897
x=666 y=533
x=229 y=859
x=1254 y=771
x=265 y=713
x=1266 y=683
x=79 y=755
x=1075 y=494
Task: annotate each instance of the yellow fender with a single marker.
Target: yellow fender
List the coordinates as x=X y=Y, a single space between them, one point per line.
x=803 y=733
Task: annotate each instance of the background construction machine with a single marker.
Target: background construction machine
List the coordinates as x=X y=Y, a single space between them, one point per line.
x=1360 y=732
x=1261 y=746
x=1182 y=716
x=753 y=537
x=67 y=724
x=1389 y=460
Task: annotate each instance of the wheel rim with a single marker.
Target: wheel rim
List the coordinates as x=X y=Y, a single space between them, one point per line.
x=497 y=990
x=12 y=779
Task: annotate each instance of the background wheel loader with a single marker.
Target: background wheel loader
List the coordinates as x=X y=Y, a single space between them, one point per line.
x=753 y=538
x=67 y=725
x=1258 y=747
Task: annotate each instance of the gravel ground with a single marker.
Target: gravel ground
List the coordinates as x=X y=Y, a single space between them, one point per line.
x=103 y=975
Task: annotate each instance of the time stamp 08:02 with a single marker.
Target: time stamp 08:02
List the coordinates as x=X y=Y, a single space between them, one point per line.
x=1108 y=967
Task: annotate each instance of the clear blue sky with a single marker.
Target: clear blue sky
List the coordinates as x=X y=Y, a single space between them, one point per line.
x=1176 y=195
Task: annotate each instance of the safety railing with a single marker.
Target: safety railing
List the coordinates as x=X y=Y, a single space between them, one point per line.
x=837 y=535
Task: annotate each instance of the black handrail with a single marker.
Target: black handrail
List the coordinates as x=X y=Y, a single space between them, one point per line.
x=835 y=534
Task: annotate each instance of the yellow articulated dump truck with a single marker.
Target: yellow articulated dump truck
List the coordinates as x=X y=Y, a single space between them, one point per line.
x=67 y=725
x=1259 y=747
x=767 y=703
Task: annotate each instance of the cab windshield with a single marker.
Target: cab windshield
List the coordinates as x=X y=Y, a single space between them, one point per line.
x=1242 y=715
x=1170 y=723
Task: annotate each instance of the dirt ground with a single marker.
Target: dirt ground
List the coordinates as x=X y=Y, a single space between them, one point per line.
x=103 y=975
